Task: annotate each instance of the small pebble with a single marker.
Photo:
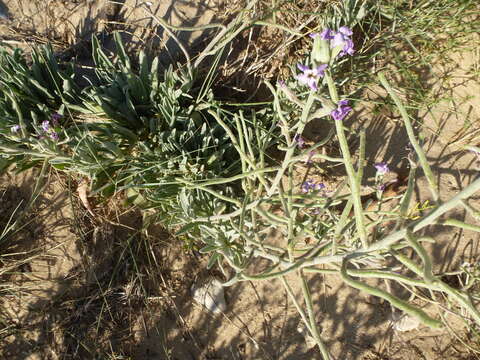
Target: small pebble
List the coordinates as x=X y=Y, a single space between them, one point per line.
x=405 y=322
x=210 y=295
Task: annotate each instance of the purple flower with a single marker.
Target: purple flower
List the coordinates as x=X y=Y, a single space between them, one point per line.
x=382 y=168
x=306 y=186
x=341 y=111
x=310 y=185
x=345 y=30
x=15 y=128
x=46 y=125
x=342 y=38
x=54 y=136
x=310 y=76
x=299 y=140
x=347 y=49
x=338 y=40
x=327 y=34
x=55 y=118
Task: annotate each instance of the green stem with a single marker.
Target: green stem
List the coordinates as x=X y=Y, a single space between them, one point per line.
x=462 y=299
x=313 y=324
x=393 y=300
x=361 y=156
x=332 y=89
x=341 y=224
x=460 y=224
x=391 y=239
x=237 y=146
x=353 y=178
x=411 y=136
x=374 y=274
x=438 y=284
x=291 y=213
x=420 y=250
x=213 y=192
x=218 y=181
x=291 y=149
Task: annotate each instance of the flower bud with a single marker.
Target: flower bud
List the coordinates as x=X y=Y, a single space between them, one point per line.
x=321 y=50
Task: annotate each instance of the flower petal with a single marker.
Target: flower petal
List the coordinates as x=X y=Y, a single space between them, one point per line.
x=345 y=30
x=327 y=34
x=312 y=83
x=46 y=125
x=302 y=67
x=303 y=78
x=338 y=40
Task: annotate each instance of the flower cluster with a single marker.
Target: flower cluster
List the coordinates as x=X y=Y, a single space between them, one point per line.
x=341 y=111
x=340 y=40
x=327 y=45
x=48 y=129
x=310 y=185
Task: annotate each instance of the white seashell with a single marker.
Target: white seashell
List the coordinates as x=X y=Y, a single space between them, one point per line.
x=405 y=323
x=211 y=295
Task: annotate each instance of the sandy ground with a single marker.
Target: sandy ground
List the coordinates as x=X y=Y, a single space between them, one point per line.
x=95 y=286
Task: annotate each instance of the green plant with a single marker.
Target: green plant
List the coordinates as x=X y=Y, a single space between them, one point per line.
x=30 y=95
x=174 y=137
x=318 y=234
x=133 y=128
x=205 y=167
